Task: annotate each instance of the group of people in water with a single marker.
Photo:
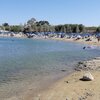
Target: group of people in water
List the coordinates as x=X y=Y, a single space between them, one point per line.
x=89 y=47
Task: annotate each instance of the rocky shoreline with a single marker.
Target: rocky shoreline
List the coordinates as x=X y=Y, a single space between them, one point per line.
x=93 y=64
x=72 y=88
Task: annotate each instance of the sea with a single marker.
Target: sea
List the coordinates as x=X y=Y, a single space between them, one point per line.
x=34 y=64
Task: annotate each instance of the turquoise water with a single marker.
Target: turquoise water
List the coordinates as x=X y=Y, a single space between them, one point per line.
x=39 y=61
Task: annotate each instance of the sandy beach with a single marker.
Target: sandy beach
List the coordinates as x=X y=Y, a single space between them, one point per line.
x=72 y=88
x=93 y=42
x=69 y=88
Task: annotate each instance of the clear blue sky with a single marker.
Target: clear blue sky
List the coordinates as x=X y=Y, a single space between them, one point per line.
x=86 y=12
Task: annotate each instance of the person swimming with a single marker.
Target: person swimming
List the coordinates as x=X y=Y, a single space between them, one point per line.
x=88 y=47
x=84 y=47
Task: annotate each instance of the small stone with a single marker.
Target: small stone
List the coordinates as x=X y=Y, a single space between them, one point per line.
x=67 y=98
x=63 y=70
x=87 y=77
x=67 y=81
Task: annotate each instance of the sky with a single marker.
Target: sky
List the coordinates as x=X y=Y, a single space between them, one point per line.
x=85 y=12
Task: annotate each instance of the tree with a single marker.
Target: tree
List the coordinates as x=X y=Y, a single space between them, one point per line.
x=58 y=28
x=51 y=28
x=98 y=29
x=31 y=21
x=5 y=24
x=63 y=29
x=40 y=28
x=91 y=29
x=34 y=28
x=45 y=28
x=77 y=29
x=68 y=28
x=7 y=28
x=82 y=28
x=21 y=27
x=43 y=23
x=15 y=28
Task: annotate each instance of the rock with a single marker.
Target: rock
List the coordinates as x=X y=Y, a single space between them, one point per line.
x=67 y=98
x=81 y=66
x=87 y=77
x=63 y=70
x=36 y=98
x=67 y=81
x=93 y=64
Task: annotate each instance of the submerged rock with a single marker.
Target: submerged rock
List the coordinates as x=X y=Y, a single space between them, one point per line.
x=63 y=70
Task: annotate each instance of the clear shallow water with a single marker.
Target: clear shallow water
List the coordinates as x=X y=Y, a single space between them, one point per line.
x=38 y=61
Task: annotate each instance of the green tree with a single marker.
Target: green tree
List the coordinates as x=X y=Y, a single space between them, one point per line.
x=40 y=28
x=82 y=28
x=68 y=28
x=43 y=23
x=34 y=28
x=15 y=28
x=98 y=29
x=51 y=28
x=6 y=26
x=77 y=29
x=32 y=21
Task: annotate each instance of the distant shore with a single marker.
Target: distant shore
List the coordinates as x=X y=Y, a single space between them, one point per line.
x=93 y=41
x=89 y=40
x=19 y=35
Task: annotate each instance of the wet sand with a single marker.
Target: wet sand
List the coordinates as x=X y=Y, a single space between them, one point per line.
x=70 y=87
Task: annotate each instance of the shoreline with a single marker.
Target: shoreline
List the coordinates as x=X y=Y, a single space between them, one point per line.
x=75 y=89
x=93 y=42
x=70 y=87
x=67 y=86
